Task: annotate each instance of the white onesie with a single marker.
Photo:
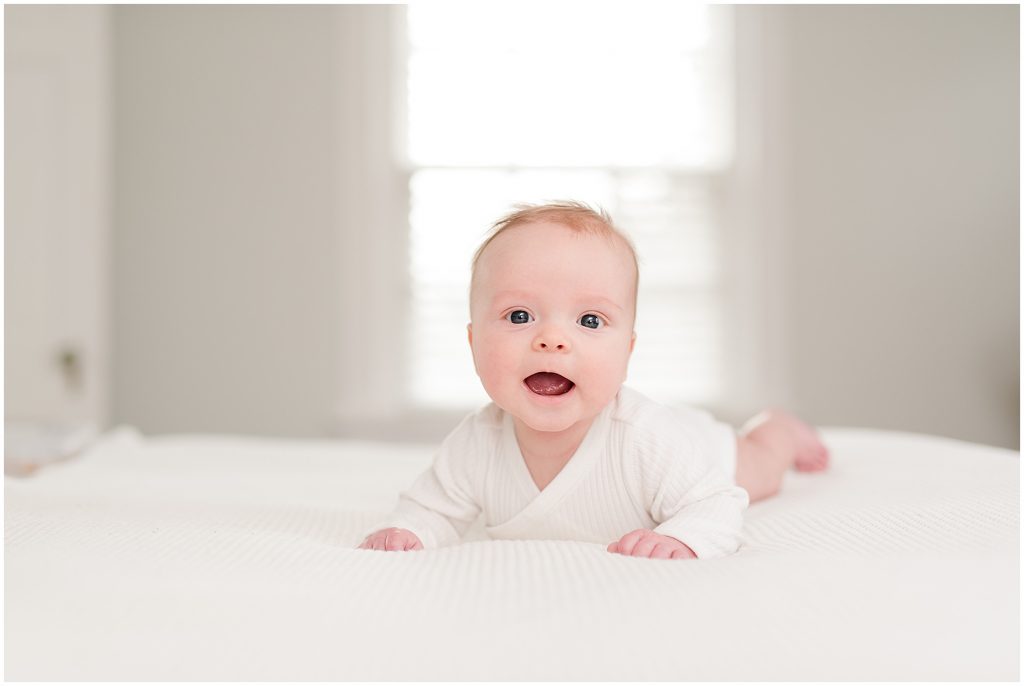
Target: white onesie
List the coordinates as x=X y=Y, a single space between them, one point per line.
x=642 y=465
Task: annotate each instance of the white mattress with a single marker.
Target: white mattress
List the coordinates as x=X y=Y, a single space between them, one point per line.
x=223 y=558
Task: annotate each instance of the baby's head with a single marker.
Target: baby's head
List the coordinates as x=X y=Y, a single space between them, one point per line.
x=552 y=307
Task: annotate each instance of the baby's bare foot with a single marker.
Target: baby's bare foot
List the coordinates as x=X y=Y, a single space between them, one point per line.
x=811 y=453
x=791 y=436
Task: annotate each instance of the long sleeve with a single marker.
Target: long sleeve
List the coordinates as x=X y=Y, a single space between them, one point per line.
x=686 y=489
x=442 y=503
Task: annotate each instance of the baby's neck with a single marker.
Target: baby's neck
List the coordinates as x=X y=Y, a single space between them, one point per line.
x=547 y=447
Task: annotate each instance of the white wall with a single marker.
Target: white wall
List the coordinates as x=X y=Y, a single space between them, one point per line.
x=226 y=301
x=879 y=188
x=903 y=194
x=57 y=214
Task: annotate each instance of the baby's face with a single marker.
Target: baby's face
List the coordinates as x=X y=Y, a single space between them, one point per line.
x=552 y=323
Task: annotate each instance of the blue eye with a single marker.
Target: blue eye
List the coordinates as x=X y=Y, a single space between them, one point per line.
x=519 y=317
x=591 y=321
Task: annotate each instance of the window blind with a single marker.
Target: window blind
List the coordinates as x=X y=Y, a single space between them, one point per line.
x=622 y=107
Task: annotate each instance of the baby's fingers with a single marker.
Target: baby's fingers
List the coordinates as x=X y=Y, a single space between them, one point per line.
x=683 y=552
x=371 y=542
x=401 y=539
x=628 y=542
x=394 y=540
x=662 y=551
x=645 y=546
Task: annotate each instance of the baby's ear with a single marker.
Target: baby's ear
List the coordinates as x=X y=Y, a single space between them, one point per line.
x=469 y=330
x=632 y=342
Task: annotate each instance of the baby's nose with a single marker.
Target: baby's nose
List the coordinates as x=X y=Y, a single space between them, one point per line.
x=551 y=340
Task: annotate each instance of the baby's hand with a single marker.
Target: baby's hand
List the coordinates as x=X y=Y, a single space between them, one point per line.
x=646 y=543
x=392 y=539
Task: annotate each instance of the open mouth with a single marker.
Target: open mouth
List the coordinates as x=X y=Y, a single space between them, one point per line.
x=548 y=383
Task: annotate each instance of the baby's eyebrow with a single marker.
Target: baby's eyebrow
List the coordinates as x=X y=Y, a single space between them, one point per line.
x=600 y=299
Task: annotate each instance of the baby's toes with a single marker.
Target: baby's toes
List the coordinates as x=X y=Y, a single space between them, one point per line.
x=812 y=458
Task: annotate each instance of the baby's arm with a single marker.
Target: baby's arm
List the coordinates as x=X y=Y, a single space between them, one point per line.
x=436 y=511
x=440 y=505
x=711 y=526
x=683 y=487
x=707 y=519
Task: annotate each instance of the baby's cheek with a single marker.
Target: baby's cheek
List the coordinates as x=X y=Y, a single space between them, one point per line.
x=495 y=365
x=615 y=361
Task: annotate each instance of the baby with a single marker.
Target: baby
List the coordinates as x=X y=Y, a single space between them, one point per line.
x=566 y=451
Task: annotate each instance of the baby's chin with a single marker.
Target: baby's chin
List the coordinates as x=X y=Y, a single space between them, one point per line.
x=548 y=425
x=552 y=421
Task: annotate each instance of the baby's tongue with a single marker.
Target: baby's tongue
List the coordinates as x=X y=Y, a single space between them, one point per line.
x=548 y=383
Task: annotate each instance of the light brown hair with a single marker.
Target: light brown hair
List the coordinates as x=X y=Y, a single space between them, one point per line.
x=574 y=215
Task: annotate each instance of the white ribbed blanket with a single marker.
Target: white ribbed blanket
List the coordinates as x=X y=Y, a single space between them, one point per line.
x=221 y=558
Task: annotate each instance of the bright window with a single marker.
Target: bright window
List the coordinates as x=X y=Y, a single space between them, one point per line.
x=627 y=106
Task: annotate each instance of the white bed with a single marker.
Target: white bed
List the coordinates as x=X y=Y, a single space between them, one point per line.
x=225 y=558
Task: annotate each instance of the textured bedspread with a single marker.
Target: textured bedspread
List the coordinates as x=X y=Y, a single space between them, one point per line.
x=221 y=558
